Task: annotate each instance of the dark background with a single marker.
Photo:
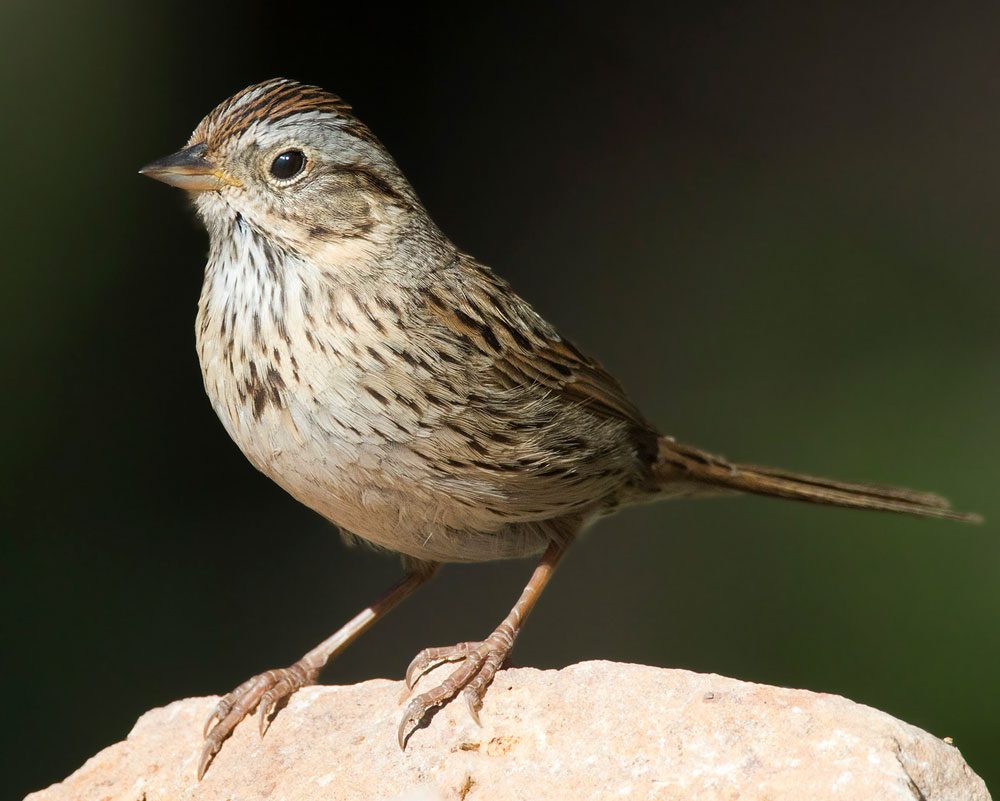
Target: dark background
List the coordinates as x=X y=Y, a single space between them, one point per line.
x=776 y=222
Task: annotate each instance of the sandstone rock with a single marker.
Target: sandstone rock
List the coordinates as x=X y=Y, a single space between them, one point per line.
x=596 y=730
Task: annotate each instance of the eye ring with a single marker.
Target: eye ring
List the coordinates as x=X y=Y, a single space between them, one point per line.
x=288 y=164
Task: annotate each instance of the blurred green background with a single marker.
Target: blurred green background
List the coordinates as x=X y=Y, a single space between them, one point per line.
x=778 y=223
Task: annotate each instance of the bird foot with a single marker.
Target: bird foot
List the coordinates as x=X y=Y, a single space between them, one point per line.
x=480 y=662
x=263 y=693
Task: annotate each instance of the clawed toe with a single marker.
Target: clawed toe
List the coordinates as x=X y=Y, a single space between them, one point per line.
x=226 y=704
x=472 y=677
x=262 y=692
x=266 y=692
x=288 y=682
x=430 y=658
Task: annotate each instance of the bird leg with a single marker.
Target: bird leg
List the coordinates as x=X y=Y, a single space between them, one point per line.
x=267 y=689
x=480 y=660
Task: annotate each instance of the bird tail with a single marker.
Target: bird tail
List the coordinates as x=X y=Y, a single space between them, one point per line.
x=680 y=465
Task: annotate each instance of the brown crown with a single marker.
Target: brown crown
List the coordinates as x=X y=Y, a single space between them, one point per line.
x=272 y=101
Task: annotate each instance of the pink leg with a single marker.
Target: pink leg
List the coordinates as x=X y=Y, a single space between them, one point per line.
x=267 y=689
x=480 y=660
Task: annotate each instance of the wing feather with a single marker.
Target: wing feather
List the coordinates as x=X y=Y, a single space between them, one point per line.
x=523 y=348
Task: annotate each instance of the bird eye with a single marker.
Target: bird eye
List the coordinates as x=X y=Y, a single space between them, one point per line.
x=288 y=164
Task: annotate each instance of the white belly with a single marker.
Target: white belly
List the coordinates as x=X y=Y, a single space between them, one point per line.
x=326 y=441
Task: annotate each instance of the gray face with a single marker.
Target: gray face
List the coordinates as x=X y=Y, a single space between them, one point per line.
x=305 y=179
x=292 y=163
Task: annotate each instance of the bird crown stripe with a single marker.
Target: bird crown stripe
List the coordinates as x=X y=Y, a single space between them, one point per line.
x=272 y=101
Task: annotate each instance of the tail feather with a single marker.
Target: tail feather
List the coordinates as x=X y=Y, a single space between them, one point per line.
x=682 y=464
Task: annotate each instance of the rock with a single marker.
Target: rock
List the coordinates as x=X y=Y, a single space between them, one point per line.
x=595 y=730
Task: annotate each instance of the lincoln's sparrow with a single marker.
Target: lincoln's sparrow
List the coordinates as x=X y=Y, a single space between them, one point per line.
x=402 y=390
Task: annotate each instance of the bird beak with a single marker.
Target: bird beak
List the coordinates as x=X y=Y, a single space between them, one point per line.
x=190 y=170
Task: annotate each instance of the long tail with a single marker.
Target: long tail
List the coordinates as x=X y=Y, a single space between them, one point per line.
x=683 y=466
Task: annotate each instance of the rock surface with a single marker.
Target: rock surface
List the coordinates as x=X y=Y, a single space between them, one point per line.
x=595 y=730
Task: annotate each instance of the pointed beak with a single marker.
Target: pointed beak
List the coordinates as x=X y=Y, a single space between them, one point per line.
x=190 y=170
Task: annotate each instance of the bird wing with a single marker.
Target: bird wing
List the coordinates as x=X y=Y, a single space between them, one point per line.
x=522 y=349
x=517 y=422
